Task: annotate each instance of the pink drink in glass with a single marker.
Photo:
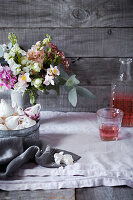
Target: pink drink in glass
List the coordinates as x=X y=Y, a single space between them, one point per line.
x=109 y=121
x=109 y=132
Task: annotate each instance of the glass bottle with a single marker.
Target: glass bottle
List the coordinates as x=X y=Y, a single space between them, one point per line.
x=122 y=92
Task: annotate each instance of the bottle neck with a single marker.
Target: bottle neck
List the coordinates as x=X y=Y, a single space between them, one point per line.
x=125 y=68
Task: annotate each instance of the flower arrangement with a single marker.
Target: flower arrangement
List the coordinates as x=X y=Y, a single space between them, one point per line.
x=43 y=67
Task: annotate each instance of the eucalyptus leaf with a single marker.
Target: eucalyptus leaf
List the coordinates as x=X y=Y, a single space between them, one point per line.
x=1 y=52
x=72 y=96
x=84 y=92
x=72 y=81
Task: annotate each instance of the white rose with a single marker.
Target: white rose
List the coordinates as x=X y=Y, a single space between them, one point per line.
x=24 y=60
x=37 y=82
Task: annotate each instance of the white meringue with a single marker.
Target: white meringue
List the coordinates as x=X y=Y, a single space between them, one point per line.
x=5 y=109
x=26 y=121
x=33 y=112
x=12 y=122
x=58 y=158
x=66 y=159
x=3 y=127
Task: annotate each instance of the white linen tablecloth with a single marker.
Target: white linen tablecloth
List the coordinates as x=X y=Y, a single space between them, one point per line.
x=102 y=163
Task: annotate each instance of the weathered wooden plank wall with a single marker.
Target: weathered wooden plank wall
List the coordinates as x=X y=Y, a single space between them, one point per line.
x=93 y=35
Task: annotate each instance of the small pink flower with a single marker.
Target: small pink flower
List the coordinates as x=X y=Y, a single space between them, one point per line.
x=7 y=78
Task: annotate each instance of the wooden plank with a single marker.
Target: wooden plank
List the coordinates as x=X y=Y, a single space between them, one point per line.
x=96 y=71
x=93 y=42
x=62 y=194
x=107 y=193
x=76 y=13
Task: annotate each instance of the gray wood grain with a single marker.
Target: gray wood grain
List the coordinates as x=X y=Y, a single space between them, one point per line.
x=76 y=13
x=106 y=193
x=84 y=42
x=96 y=71
x=62 y=194
x=52 y=102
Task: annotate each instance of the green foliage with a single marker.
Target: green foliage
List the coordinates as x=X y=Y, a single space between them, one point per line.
x=13 y=39
x=84 y=92
x=72 y=81
x=72 y=96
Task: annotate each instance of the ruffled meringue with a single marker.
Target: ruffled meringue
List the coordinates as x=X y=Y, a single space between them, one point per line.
x=12 y=122
x=33 y=112
x=5 y=109
x=26 y=122
x=58 y=158
x=3 y=127
x=66 y=159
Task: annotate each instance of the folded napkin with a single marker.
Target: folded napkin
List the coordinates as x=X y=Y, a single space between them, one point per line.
x=16 y=151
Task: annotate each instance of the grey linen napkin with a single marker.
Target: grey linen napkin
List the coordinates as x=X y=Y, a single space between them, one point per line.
x=16 y=151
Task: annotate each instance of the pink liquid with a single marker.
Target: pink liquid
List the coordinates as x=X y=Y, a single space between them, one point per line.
x=125 y=103
x=109 y=132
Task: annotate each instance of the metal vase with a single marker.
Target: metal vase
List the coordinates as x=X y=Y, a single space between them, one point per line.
x=20 y=99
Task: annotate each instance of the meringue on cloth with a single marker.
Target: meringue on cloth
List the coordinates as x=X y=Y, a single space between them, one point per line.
x=33 y=112
x=61 y=158
x=5 y=109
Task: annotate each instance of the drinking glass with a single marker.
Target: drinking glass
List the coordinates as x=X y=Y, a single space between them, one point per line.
x=109 y=123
